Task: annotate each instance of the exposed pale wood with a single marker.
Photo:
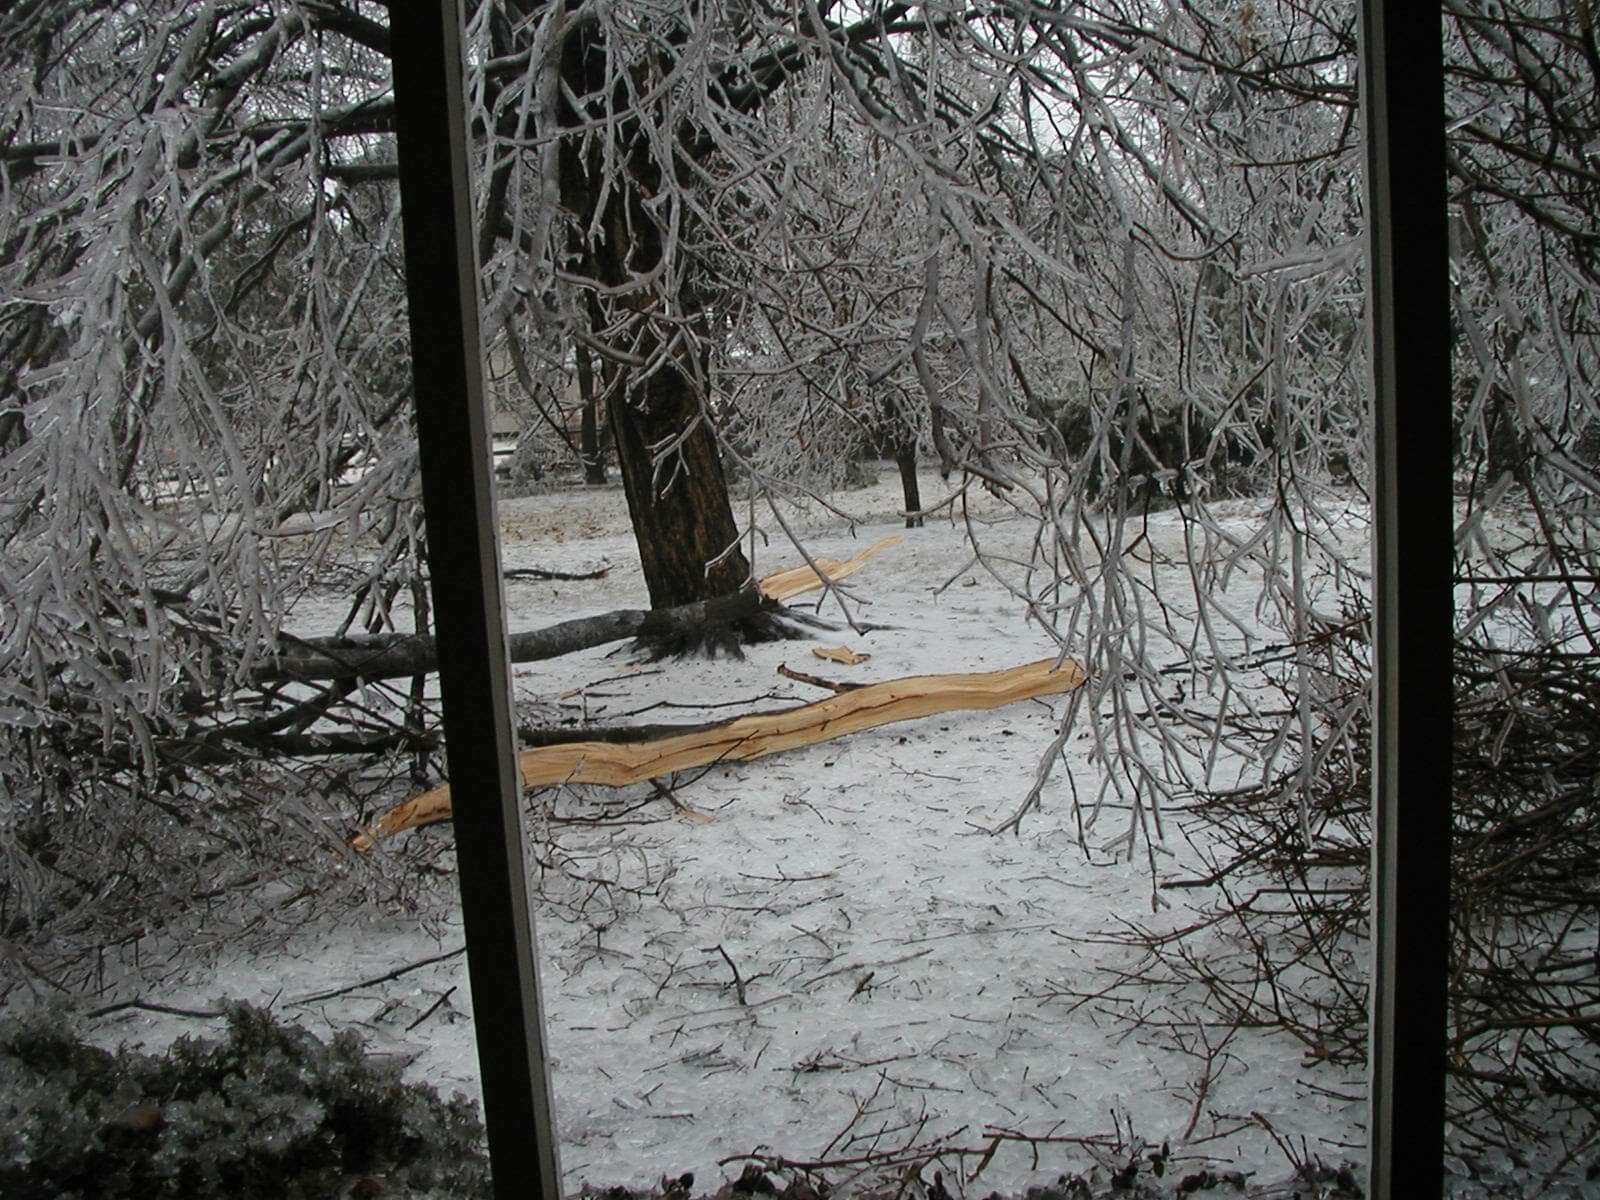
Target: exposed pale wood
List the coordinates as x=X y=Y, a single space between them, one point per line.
x=754 y=736
x=840 y=654
x=780 y=585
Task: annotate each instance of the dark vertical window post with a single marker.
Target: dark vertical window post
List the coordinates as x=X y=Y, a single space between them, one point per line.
x=464 y=573
x=1402 y=90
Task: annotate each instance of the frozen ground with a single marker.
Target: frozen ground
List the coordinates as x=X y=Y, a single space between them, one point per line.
x=819 y=955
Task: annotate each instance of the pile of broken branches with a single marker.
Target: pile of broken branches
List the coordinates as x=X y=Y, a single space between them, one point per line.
x=1280 y=934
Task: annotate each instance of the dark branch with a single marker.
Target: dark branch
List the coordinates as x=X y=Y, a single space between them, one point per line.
x=394 y=656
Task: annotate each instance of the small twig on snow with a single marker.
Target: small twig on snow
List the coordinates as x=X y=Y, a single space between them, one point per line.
x=384 y=978
x=149 y=1006
x=738 y=980
x=815 y=680
x=432 y=1008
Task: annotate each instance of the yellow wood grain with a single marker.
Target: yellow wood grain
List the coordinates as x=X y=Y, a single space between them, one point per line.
x=780 y=585
x=618 y=763
x=840 y=654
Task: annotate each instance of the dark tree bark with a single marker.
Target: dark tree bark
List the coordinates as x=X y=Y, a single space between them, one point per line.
x=667 y=454
x=397 y=655
x=594 y=462
x=905 y=457
x=896 y=434
x=679 y=501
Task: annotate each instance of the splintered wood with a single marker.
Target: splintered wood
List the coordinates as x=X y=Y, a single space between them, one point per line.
x=840 y=654
x=744 y=738
x=780 y=585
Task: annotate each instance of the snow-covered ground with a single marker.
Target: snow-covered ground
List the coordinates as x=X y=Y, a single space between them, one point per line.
x=820 y=955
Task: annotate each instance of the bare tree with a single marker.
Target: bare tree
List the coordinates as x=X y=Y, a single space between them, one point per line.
x=1228 y=354
x=1100 y=260
x=816 y=370
x=203 y=393
x=201 y=271
x=200 y=326
x=1153 y=300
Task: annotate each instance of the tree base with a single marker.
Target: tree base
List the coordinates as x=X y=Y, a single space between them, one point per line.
x=726 y=638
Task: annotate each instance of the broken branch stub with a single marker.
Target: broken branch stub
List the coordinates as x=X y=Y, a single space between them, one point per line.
x=616 y=764
x=781 y=585
x=840 y=654
x=394 y=656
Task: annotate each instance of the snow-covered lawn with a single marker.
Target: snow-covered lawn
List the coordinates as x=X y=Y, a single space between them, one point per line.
x=823 y=954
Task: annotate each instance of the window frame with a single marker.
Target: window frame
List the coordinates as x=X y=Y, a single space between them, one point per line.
x=1409 y=343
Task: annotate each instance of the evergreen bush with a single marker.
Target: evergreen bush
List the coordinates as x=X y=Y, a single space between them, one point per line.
x=268 y=1111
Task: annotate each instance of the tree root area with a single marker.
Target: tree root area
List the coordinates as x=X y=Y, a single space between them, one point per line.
x=727 y=639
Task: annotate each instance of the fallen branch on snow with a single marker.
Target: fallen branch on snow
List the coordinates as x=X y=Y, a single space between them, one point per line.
x=780 y=585
x=753 y=736
x=398 y=656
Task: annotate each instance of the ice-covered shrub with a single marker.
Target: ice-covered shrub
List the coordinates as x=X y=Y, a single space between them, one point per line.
x=268 y=1111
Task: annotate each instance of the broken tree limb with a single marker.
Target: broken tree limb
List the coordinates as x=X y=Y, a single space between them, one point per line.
x=395 y=656
x=754 y=736
x=840 y=654
x=398 y=656
x=542 y=573
x=781 y=585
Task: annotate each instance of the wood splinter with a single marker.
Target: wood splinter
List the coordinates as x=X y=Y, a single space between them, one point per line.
x=781 y=585
x=616 y=764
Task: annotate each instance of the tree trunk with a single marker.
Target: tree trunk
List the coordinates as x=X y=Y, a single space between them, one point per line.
x=671 y=471
x=618 y=763
x=594 y=463
x=679 y=505
x=941 y=441
x=905 y=457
